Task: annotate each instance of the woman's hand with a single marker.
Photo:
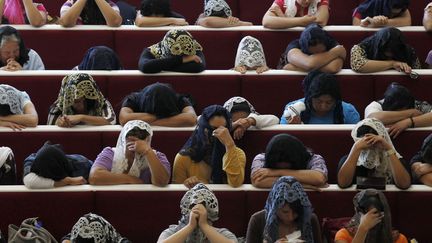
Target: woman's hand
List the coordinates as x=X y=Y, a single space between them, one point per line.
x=421 y=169
x=262 y=69
x=193 y=219
x=261 y=174
x=191 y=182
x=202 y=212
x=402 y=67
x=378 y=141
x=294 y=120
x=240 y=69
x=399 y=127
x=12 y=65
x=192 y=58
x=223 y=135
x=14 y=126
x=141 y=146
x=370 y=219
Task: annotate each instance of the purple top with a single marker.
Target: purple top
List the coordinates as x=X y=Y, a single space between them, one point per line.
x=316 y=163
x=105 y=160
x=429 y=58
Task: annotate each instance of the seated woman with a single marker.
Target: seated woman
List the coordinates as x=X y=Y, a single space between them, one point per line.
x=154 y=13
x=381 y=13
x=100 y=58
x=384 y=50
x=421 y=163
x=372 y=155
x=287 y=215
x=199 y=210
x=132 y=161
x=51 y=167
x=94 y=12
x=210 y=154
x=177 y=52
x=427 y=17
x=14 y=55
x=16 y=109
x=93 y=228
x=80 y=102
x=250 y=56
x=159 y=105
x=217 y=14
x=322 y=103
x=7 y=166
x=315 y=50
x=22 y=12
x=400 y=109
x=244 y=116
x=371 y=221
x=291 y=13
x=286 y=155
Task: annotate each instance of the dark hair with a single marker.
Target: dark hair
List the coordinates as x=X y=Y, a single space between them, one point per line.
x=91 y=13
x=298 y=208
x=243 y=106
x=370 y=201
x=397 y=97
x=365 y=129
x=286 y=148
x=313 y=35
x=156 y=7
x=5 y=110
x=316 y=84
x=23 y=51
x=138 y=133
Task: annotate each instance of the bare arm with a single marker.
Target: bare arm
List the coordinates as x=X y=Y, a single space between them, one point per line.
x=101 y=176
x=376 y=66
x=400 y=176
x=127 y=114
x=315 y=61
x=403 y=20
x=36 y=18
x=356 y=21
x=427 y=17
x=185 y=119
x=150 y=21
x=390 y=117
x=423 y=171
x=219 y=22
x=348 y=169
x=179 y=236
x=159 y=175
x=322 y=15
x=272 y=21
x=28 y=119
x=309 y=177
x=69 y=18
x=2 y=2
x=112 y=17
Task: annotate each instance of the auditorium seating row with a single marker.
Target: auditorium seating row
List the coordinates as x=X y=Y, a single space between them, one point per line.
x=268 y=92
x=254 y=10
x=330 y=141
x=141 y=213
x=63 y=49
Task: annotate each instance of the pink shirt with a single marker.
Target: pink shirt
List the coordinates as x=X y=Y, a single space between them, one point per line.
x=281 y=4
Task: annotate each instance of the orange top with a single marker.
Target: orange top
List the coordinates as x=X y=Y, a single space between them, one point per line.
x=344 y=235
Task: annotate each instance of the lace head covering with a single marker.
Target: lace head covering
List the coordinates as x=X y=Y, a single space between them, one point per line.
x=363 y=202
x=76 y=86
x=120 y=163
x=238 y=103
x=203 y=146
x=250 y=53
x=372 y=8
x=13 y=98
x=199 y=194
x=374 y=158
x=100 y=58
x=94 y=227
x=291 y=8
x=217 y=8
x=287 y=190
x=175 y=43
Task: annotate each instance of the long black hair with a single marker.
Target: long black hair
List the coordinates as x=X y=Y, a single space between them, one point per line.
x=316 y=84
x=289 y=149
x=6 y=31
x=155 y=7
x=372 y=8
x=91 y=13
x=397 y=97
x=389 y=40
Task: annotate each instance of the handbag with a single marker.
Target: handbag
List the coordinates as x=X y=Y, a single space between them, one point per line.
x=30 y=231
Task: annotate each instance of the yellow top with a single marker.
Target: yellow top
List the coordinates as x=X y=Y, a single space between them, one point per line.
x=233 y=163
